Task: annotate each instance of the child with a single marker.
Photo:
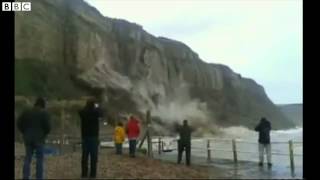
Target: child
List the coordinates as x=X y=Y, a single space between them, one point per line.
x=119 y=137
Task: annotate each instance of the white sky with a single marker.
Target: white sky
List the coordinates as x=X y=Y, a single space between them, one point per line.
x=260 y=39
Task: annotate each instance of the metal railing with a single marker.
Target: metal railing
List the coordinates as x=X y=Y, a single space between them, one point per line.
x=234 y=149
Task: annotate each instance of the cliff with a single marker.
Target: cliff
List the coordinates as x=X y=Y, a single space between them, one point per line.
x=68 y=49
x=293 y=112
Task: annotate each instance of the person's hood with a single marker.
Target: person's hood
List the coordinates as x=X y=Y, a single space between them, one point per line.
x=134 y=120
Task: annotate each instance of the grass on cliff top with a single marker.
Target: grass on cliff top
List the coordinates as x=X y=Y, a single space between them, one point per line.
x=39 y=78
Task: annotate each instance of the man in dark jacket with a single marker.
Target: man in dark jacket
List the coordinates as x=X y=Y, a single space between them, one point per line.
x=35 y=126
x=264 y=128
x=184 y=143
x=90 y=116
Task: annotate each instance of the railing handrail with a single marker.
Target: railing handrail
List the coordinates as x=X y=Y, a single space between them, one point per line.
x=175 y=139
x=253 y=142
x=253 y=152
x=241 y=140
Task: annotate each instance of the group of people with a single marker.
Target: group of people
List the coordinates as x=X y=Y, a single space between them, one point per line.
x=263 y=127
x=131 y=130
x=34 y=124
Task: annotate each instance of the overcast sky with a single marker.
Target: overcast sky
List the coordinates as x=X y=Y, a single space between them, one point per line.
x=260 y=39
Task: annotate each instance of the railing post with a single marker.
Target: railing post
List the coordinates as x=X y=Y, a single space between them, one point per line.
x=209 y=151
x=162 y=145
x=234 y=149
x=291 y=155
x=149 y=136
x=62 y=127
x=159 y=145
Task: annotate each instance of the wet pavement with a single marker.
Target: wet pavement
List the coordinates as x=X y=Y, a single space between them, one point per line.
x=227 y=169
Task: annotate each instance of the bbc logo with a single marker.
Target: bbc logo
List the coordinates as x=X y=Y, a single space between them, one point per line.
x=16 y=6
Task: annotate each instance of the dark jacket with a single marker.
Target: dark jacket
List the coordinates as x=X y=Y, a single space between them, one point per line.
x=264 y=128
x=89 y=117
x=34 y=124
x=185 y=135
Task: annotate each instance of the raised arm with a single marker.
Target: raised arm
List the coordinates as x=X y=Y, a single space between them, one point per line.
x=269 y=126
x=176 y=127
x=257 y=128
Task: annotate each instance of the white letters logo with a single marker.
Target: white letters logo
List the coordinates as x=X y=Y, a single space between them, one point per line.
x=16 y=6
x=6 y=6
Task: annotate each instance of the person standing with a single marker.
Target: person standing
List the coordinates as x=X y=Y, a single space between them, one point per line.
x=264 y=128
x=133 y=132
x=119 y=137
x=184 y=142
x=34 y=124
x=89 y=117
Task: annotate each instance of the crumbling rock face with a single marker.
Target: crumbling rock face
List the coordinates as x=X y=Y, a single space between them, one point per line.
x=160 y=74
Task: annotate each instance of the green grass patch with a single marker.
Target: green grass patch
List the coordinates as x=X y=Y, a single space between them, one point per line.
x=39 y=78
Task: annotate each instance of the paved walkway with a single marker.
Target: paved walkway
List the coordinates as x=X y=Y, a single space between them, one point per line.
x=226 y=169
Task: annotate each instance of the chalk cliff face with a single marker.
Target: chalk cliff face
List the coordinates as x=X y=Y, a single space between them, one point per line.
x=294 y=112
x=133 y=69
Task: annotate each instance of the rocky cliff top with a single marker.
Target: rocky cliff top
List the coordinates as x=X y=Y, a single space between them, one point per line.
x=72 y=43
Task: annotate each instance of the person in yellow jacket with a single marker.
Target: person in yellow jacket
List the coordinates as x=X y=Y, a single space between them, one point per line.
x=119 y=137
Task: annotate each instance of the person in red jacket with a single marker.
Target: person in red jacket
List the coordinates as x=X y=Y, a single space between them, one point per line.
x=133 y=132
